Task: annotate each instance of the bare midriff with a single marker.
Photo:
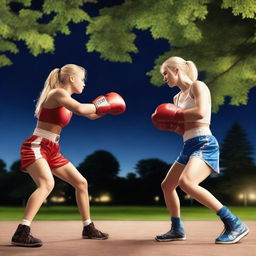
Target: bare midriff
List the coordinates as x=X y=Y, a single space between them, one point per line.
x=49 y=127
x=192 y=125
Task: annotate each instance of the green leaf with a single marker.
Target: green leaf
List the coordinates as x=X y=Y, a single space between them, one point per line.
x=37 y=43
x=6 y=45
x=4 y=60
x=246 y=8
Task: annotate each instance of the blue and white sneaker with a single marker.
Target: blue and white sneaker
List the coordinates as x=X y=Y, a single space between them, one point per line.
x=172 y=235
x=233 y=232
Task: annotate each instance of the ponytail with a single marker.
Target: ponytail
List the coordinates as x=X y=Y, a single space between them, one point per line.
x=192 y=70
x=56 y=79
x=51 y=82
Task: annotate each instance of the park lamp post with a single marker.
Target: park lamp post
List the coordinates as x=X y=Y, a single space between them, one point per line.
x=103 y=198
x=188 y=197
x=58 y=199
x=156 y=199
x=247 y=196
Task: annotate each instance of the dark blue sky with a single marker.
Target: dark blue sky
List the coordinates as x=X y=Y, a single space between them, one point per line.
x=129 y=137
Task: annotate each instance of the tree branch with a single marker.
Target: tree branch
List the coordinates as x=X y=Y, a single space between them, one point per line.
x=233 y=65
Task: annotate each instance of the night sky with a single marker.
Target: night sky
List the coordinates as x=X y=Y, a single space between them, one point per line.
x=131 y=136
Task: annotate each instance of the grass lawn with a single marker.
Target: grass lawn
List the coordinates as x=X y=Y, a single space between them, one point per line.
x=124 y=213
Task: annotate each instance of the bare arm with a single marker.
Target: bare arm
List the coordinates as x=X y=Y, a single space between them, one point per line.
x=94 y=116
x=63 y=98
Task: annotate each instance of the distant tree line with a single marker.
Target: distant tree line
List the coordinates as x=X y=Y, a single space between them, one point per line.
x=236 y=183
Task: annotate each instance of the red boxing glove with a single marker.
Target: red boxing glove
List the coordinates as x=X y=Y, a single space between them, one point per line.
x=168 y=112
x=170 y=126
x=111 y=103
x=169 y=117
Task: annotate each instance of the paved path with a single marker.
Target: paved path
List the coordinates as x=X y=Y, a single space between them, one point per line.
x=127 y=238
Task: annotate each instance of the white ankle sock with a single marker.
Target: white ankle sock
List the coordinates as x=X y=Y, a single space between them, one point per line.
x=87 y=222
x=25 y=222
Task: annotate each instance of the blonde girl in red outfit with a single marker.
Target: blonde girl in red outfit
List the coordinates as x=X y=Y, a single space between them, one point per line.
x=40 y=153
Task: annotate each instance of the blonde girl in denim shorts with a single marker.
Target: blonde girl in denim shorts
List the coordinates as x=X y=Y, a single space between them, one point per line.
x=190 y=116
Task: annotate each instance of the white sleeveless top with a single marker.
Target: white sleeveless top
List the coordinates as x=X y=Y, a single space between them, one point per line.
x=189 y=102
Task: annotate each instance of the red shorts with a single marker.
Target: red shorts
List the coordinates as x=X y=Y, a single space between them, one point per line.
x=42 y=144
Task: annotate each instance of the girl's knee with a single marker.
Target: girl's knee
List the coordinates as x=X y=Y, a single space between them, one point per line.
x=185 y=184
x=82 y=185
x=47 y=185
x=167 y=186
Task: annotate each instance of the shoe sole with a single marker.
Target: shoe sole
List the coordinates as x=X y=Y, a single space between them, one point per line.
x=95 y=238
x=27 y=245
x=236 y=240
x=171 y=239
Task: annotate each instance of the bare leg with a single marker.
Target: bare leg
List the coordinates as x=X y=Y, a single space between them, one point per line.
x=42 y=176
x=72 y=176
x=194 y=173
x=172 y=201
x=169 y=185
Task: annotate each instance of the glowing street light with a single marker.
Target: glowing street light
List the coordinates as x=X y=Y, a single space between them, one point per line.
x=190 y=198
x=252 y=196
x=187 y=197
x=156 y=198
x=240 y=196
x=247 y=196
x=58 y=199
x=103 y=198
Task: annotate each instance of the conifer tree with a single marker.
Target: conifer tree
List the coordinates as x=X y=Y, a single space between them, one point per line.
x=237 y=166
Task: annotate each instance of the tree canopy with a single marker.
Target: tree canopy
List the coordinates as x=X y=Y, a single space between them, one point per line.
x=2 y=166
x=219 y=36
x=100 y=167
x=152 y=169
x=36 y=25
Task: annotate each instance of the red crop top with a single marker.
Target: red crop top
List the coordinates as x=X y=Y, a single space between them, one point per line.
x=59 y=116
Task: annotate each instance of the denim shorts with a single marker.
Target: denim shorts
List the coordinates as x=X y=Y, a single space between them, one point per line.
x=205 y=147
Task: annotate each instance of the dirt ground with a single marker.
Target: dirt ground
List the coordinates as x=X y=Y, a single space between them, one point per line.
x=127 y=238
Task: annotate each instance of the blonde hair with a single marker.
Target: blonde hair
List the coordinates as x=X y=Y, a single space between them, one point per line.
x=187 y=69
x=56 y=79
